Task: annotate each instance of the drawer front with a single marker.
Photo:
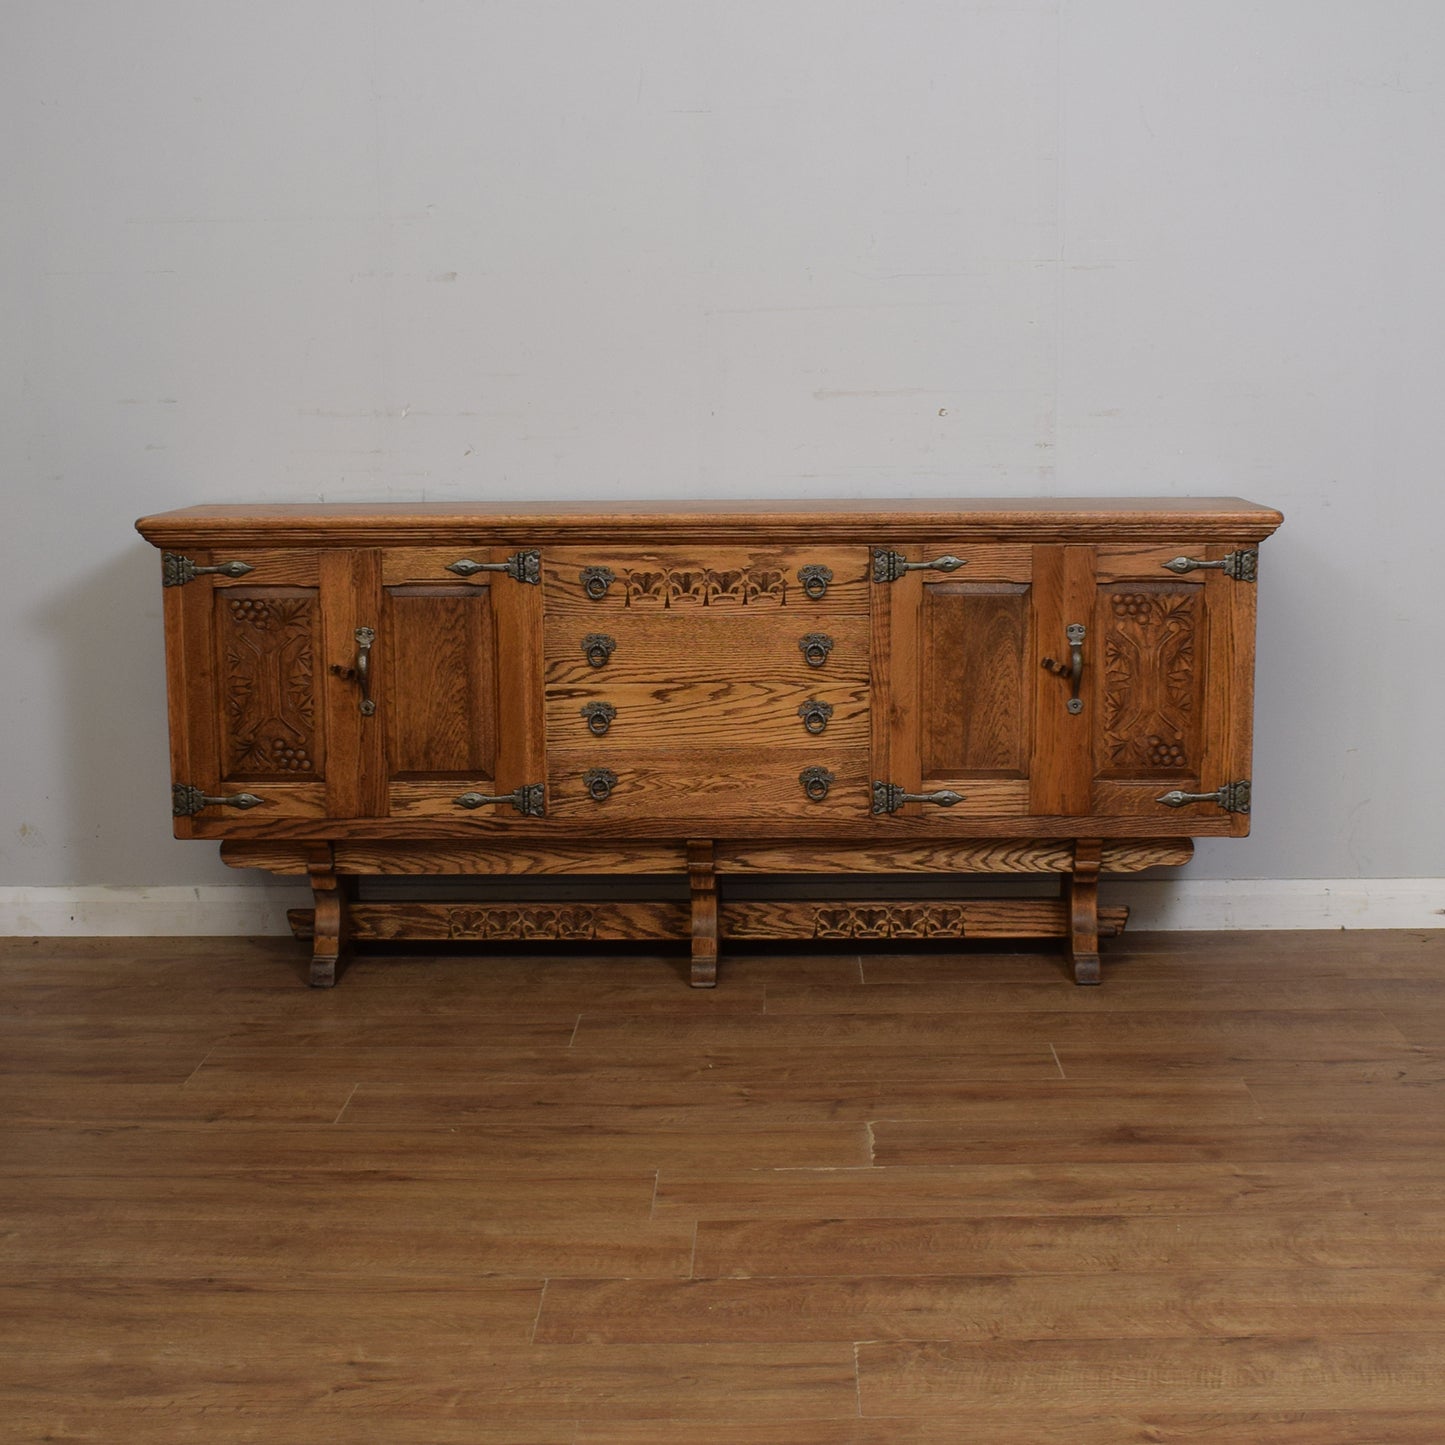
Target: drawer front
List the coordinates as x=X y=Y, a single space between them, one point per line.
x=800 y=581
x=635 y=717
x=676 y=649
x=707 y=786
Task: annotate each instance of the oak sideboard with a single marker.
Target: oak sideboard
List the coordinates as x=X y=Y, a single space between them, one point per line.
x=807 y=689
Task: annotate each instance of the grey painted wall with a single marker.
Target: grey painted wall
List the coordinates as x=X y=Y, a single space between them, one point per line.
x=654 y=248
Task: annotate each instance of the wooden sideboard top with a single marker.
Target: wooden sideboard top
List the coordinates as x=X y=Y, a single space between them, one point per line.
x=339 y=524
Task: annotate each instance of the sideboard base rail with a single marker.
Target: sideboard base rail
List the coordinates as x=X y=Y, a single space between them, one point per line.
x=709 y=918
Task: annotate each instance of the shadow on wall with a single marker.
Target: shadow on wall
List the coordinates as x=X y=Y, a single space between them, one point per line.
x=111 y=759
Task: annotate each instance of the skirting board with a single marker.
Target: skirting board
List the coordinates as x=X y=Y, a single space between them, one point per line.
x=1183 y=904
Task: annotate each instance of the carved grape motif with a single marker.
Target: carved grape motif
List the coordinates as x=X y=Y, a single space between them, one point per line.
x=1136 y=606
x=1166 y=754
x=289 y=757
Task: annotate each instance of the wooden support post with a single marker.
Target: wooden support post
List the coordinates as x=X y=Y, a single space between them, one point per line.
x=703 y=879
x=1081 y=899
x=330 y=926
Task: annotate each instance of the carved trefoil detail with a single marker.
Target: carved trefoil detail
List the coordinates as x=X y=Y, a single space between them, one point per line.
x=522 y=923
x=901 y=920
x=706 y=586
x=1150 y=685
x=268 y=683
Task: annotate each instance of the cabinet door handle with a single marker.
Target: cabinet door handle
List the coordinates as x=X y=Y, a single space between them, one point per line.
x=529 y=800
x=365 y=636
x=890 y=797
x=1074 y=670
x=360 y=671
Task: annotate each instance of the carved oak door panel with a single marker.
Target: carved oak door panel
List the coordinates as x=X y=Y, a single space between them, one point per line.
x=1171 y=687
x=248 y=706
x=457 y=667
x=954 y=707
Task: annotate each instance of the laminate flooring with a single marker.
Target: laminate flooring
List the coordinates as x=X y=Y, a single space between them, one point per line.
x=895 y=1199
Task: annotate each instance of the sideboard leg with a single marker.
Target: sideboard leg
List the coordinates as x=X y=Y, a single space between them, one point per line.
x=703 y=879
x=1081 y=898
x=329 y=937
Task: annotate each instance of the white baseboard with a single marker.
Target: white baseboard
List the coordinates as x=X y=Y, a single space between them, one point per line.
x=226 y=910
x=1207 y=903
x=260 y=908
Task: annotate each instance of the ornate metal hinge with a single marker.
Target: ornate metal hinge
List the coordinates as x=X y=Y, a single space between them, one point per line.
x=529 y=800
x=890 y=566
x=176 y=570
x=520 y=567
x=1243 y=565
x=890 y=797
x=187 y=801
x=1232 y=797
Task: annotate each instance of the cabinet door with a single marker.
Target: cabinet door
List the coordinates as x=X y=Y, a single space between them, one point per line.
x=244 y=652
x=976 y=695
x=1171 y=691
x=956 y=680
x=458 y=669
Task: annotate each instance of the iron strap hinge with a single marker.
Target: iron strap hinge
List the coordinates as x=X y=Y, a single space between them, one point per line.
x=890 y=797
x=176 y=570
x=529 y=800
x=1243 y=565
x=188 y=800
x=1232 y=797
x=520 y=567
x=890 y=566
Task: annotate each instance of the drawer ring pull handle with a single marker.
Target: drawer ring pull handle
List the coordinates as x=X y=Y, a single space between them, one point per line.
x=815 y=715
x=598 y=647
x=599 y=717
x=815 y=648
x=596 y=581
x=599 y=783
x=816 y=782
x=815 y=579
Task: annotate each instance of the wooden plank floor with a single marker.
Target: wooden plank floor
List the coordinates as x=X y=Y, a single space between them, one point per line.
x=884 y=1200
